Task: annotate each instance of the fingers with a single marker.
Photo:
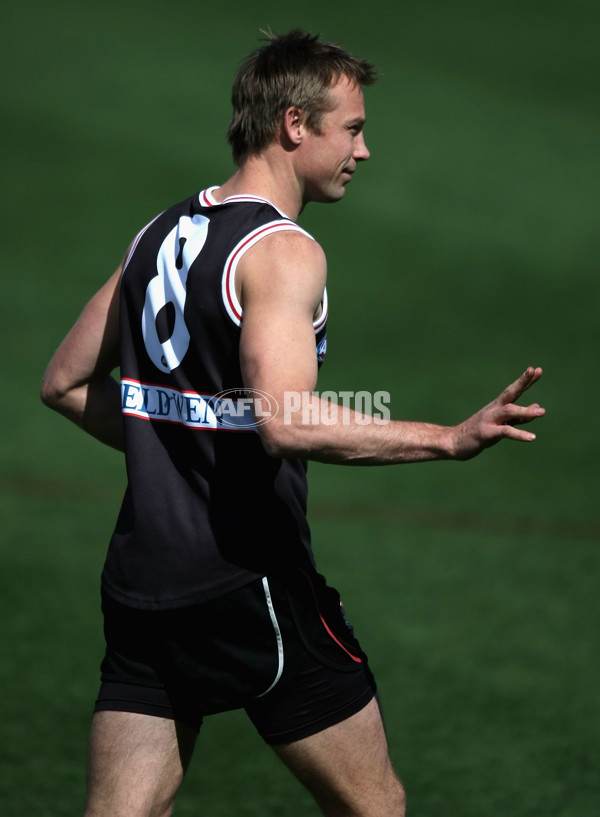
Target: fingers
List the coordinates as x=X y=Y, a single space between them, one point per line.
x=519 y=415
x=509 y=415
x=500 y=419
x=520 y=435
x=521 y=384
x=537 y=373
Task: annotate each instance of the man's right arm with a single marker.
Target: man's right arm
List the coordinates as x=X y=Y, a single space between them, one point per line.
x=282 y=282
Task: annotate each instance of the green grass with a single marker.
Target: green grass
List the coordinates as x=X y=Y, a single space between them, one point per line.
x=466 y=249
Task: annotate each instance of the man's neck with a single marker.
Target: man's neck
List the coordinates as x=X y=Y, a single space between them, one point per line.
x=269 y=178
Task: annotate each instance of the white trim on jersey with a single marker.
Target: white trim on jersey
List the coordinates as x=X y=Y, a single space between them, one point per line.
x=230 y=299
x=136 y=241
x=208 y=200
x=206 y=197
x=322 y=319
x=278 y=637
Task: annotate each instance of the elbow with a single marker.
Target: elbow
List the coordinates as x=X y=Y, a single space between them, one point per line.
x=280 y=442
x=52 y=394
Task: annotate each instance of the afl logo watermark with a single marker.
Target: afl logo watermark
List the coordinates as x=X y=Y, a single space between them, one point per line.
x=243 y=407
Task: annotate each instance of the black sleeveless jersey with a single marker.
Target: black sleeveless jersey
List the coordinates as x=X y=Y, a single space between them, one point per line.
x=206 y=509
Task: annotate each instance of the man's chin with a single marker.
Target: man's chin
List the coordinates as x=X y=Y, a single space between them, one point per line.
x=331 y=196
x=327 y=196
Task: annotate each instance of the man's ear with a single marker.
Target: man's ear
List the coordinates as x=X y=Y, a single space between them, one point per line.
x=293 y=125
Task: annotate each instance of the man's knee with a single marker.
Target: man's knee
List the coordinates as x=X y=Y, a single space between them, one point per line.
x=398 y=800
x=387 y=800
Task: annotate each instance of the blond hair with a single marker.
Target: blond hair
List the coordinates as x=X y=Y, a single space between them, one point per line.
x=295 y=69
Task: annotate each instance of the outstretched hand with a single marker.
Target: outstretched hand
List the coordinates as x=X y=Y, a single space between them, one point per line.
x=499 y=419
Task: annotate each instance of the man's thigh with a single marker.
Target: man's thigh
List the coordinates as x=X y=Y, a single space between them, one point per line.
x=347 y=767
x=136 y=764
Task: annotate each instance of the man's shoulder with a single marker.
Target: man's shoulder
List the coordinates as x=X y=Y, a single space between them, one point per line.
x=287 y=265
x=291 y=244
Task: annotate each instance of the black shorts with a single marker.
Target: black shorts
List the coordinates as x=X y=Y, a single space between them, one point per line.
x=280 y=648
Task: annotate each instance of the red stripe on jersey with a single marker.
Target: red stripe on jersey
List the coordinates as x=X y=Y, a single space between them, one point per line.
x=321 y=322
x=205 y=200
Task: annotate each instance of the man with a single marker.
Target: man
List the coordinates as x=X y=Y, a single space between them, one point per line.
x=211 y=596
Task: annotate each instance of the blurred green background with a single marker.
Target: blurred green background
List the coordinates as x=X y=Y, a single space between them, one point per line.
x=466 y=249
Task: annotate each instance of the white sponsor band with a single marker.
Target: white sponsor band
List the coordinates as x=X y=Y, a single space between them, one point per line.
x=232 y=410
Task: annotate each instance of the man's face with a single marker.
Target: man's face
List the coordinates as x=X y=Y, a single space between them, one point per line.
x=328 y=159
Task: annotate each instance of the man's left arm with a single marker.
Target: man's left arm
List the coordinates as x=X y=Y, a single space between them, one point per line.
x=78 y=381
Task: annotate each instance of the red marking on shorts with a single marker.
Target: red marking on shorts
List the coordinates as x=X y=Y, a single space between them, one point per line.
x=326 y=626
